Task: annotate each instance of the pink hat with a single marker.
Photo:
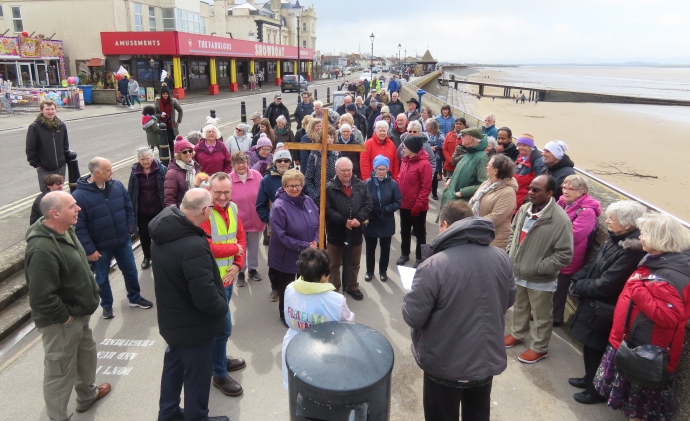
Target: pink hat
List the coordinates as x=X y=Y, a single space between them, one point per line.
x=181 y=145
x=178 y=138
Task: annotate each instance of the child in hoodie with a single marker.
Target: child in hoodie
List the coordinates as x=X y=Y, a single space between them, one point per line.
x=149 y=123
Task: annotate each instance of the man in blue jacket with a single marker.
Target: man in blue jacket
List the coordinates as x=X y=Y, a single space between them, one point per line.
x=106 y=221
x=393 y=85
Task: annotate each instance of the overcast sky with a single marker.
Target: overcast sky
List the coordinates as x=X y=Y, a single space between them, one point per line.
x=509 y=31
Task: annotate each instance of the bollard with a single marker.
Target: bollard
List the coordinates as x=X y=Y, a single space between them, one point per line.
x=243 y=112
x=163 y=148
x=420 y=93
x=328 y=95
x=73 y=173
x=264 y=107
x=212 y=113
x=316 y=94
x=339 y=371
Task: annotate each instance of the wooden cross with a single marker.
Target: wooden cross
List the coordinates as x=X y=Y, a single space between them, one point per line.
x=324 y=147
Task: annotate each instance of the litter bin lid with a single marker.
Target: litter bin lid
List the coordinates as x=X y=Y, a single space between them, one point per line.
x=340 y=357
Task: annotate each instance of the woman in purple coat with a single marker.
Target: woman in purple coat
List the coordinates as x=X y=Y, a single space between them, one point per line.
x=294 y=227
x=583 y=211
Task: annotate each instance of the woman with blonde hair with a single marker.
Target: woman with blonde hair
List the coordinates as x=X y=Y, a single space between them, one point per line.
x=651 y=314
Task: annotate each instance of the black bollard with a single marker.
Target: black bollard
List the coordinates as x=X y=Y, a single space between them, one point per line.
x=213 y=113
x=73 y=173
x=163 y=148
x=243 y=112
x=328 y=95
x=316 y=94
x=263 y=111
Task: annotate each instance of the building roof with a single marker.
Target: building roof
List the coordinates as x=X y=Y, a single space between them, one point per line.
x=427 y=58
x=243 y=6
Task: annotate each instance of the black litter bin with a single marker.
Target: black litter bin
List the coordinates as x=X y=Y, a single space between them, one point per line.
x=339 y=372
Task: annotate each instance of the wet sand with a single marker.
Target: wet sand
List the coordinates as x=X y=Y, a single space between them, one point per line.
x=609 y=138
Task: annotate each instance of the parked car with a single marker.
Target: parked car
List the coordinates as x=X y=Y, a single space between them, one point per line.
x=385 y=68
x=375 y=70
x=347 y=72
x=289 y=83
x=365 y=75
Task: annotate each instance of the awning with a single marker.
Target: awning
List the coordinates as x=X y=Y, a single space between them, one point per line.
x=95 y=62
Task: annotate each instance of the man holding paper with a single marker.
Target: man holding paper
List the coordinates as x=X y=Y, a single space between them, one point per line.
x=456 y=309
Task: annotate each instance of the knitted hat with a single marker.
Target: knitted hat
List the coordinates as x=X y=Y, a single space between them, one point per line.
x=264 y=141
x=526 y=139
x=165 y=90
x=178 y=138
x=413 y=143
x=382 y=160
x=282 y=154
x=182 y=145
x=351 y=107
x=373 y=102
x=557 y=148
x=279 y=146
x=385 y=109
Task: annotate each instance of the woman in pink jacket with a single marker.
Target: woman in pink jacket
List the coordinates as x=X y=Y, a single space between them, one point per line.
x=245 y=189
x=583 y=211
x=211 y=152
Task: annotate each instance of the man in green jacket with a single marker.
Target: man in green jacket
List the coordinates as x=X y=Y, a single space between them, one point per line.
x=63 y=295
x=540 y=245
x=470 y=172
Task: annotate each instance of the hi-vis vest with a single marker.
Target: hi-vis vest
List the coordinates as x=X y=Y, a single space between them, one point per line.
x=220 y=234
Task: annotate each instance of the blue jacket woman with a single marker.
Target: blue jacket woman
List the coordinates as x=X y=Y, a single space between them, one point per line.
x=387 y=199
x=446 y=124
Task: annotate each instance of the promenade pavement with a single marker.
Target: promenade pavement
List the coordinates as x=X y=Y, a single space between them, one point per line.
x=131 y=359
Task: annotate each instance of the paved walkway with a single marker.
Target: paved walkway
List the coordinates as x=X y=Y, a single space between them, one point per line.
x=523 y=392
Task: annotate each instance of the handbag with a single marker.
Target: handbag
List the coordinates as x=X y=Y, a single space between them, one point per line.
x=644 y=365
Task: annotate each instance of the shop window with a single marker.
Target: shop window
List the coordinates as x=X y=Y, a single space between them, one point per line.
x=168 y=19
x=138 y=18
x=198 y=70
x=223 y=69
x=146 y=73
x=152 y=19
x=17 y=19
x=304 y=43
x=271 y=67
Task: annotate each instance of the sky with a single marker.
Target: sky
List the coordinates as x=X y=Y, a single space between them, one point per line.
x=509 y=31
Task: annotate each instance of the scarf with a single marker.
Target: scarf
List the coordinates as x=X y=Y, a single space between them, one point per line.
x=280 y=132
x=191 y=172
x=51 y=124
x=475 y=201
x=166 y=107
x=523 y=160
x=378 y=181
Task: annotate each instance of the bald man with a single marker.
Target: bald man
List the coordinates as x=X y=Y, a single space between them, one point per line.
x=106 y=221
x=63 y=295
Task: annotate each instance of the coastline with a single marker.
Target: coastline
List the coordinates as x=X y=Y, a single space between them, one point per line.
x=606 y=139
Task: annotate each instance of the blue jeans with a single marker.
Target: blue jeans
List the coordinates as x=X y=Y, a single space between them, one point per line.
x=188 y=366
x=125 y=260
x=133 y=98
x=220 y=342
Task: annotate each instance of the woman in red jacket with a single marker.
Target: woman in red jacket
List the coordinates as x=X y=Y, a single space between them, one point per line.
x=379 y=144
x=451 y=142
x=211 y=152
x=415 y=184
x=659 y=291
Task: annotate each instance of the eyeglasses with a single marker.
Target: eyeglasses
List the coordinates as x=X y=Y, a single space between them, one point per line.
x=413 y=132
x=533 y=189
x=221 y=193
x=569 y=189
x=209 y=207
x=282 y=161
x=186 y=151
x=293 y=187
x=239 y=129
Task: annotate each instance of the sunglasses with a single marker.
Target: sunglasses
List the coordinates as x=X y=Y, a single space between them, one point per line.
x=239 y=129
x=282 y=161
x=186 y=151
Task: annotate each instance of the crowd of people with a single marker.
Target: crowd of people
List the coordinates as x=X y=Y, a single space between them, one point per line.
x=516 y=224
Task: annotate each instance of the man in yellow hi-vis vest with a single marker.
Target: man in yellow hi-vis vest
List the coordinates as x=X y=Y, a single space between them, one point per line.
x=227 y=241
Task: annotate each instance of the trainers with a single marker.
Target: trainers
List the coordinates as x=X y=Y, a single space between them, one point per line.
x=142 y=302
x=254 y=275
x=510 y=341
x=531 y=357
x=274 y=296
x=402 y=260
x=241 y=281
x=108 y=313
x=356 y=294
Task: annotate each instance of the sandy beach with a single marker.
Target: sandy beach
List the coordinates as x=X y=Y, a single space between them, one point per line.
x=607 y=139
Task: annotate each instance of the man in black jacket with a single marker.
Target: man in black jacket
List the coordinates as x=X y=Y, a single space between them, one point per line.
x=123 y=89
x=342 y=108
x=191 y=305
x=47 y=143
x=360 y=120
x=275 y=109
x=557 y=164
x=506 y=145
x=395 y=105
x=348 y=205
x=304 y=108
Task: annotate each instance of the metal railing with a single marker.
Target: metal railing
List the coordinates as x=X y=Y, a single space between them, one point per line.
x=476 y=121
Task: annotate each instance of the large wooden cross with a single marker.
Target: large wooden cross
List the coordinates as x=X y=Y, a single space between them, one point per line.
x=324 y=147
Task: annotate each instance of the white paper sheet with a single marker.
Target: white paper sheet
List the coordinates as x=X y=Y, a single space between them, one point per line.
x=406 y=276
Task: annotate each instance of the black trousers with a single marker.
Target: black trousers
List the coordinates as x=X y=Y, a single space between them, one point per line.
x=408 y=222
x=188 y=366
x=170 y=133
x=592 y=359
x=282 y=280
x=434 y=185
x=144 y=236
x=560 y=296
x=371 y=253
x=442 y=403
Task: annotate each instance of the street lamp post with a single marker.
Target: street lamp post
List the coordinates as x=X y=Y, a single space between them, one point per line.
x=371 y=61
x=297 y=9
x=398 y=55
x=405 y=62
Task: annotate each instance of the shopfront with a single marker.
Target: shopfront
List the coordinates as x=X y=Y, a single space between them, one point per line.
x=199 y=62
x=31 y=62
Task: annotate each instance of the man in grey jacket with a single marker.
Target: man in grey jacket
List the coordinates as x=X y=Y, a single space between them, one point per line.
x=540 y=245
x=456 y=309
